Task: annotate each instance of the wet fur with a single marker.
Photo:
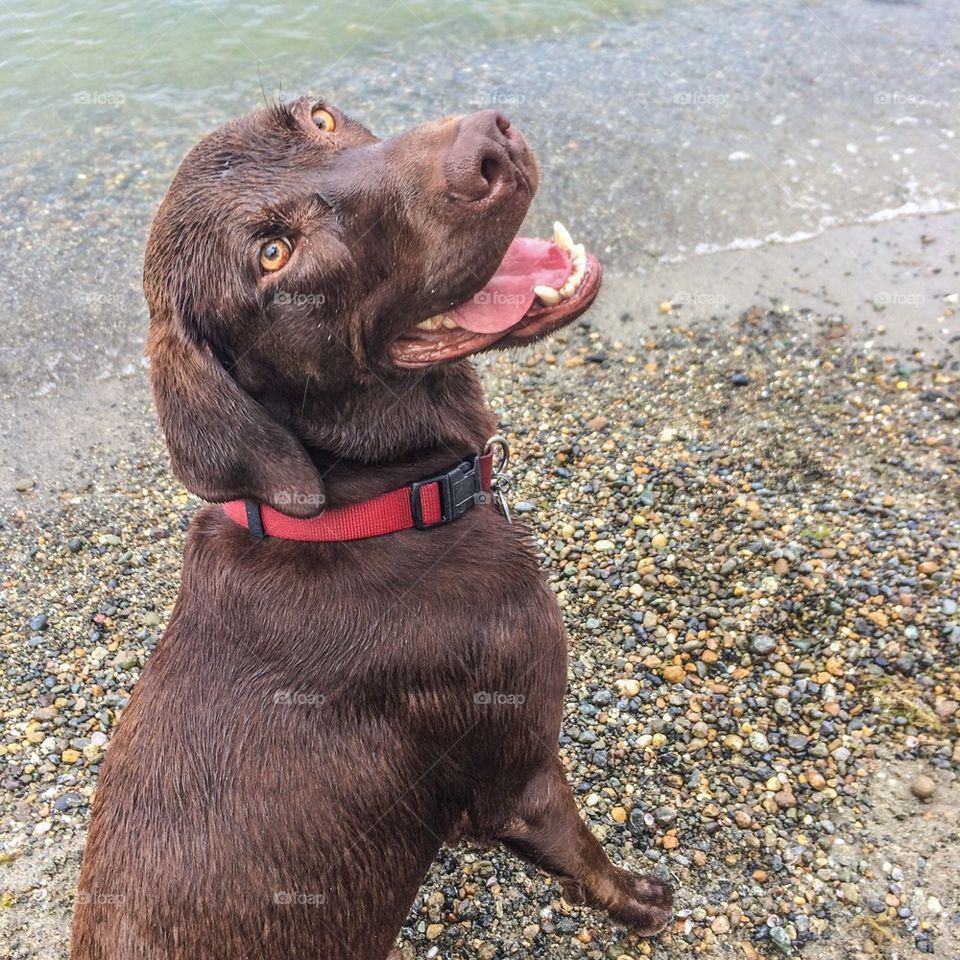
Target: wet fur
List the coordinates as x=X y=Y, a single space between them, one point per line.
x=312 y=725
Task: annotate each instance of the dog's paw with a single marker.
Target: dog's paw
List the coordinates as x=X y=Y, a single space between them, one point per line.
x=644 y=903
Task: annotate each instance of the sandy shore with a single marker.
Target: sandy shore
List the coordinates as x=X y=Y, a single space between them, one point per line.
x=752 y=525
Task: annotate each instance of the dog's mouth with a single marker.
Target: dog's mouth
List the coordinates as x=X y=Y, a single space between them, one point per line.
x=540 y=286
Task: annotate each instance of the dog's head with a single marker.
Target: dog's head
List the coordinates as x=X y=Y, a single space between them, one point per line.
x=295 y=253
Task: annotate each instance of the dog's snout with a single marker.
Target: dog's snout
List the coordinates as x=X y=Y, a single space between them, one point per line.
x=483 y=159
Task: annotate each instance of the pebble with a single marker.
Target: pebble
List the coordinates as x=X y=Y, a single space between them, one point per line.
x=923 y=787
x=720 y=925
x=674 y=674
x=126 y=659
x=781 y=939
x=945 y=709
x=637 y=820
x=762 y=644
x=851 y=892
x=665 y=816
x=732 y=742
x=816 y=779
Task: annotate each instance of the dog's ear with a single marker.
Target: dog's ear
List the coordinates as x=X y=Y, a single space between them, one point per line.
x=223 y=444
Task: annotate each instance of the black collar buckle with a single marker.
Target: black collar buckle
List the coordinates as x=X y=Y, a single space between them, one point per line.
x=459 y=488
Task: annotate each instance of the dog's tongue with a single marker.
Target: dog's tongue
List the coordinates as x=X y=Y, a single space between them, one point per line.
x=508 y=294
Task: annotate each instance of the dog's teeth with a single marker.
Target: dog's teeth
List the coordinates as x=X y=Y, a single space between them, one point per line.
x=431 y=323
x=578 y=261
x=578 y=257
x=440 y=321
x=548 y=295
x=561 y=236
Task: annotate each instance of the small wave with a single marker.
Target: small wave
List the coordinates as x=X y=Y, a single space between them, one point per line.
x=912 y=208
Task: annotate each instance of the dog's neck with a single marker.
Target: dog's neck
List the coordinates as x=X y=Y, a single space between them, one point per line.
x=383 y=435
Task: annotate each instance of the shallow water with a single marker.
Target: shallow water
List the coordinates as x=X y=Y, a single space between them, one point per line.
x=665 y=131
x=59 y=52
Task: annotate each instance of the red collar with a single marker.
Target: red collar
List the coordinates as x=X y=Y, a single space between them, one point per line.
x=427 y=503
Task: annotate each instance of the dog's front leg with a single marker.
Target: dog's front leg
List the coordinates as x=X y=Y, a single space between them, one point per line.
x=546 y=829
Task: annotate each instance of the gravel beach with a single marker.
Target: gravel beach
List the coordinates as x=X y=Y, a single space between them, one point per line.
x=752 y=525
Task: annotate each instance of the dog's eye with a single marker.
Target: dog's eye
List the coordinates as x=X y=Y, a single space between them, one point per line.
x=274 y=254
x=324 y=120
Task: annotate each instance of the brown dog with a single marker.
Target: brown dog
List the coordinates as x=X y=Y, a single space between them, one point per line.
x=321 y=716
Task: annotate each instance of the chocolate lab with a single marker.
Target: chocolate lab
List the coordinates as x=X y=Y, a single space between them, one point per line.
x=364 y=662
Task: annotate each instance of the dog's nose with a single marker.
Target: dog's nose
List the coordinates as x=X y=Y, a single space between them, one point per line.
x=482 y=161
